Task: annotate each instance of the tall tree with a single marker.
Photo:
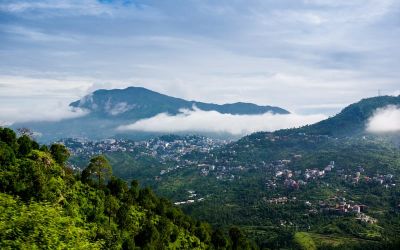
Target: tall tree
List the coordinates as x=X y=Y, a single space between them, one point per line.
x=112 y=206
x=100 y=168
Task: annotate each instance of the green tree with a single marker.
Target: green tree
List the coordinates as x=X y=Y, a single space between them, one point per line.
x=133 y=192
x=111 y=207
x=100 y=168
x=9 y=137
x=44 y=148
x=147 y=198
x=117 y=187
x=42 y=226
x=7 y=156
x=237 y=238
x=219 y=239
x=60 y=153
x=203 y=232
x=24 y=145
x=147 y=235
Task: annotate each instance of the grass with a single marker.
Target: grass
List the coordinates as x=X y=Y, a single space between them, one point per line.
x=304 y=241
x=334 y=240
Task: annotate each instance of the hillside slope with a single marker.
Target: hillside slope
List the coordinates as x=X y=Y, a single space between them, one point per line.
x=352 y=120
x=45 y=205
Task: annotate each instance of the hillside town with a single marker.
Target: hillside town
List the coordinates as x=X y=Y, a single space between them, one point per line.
x=197 y=152
x=164 y=148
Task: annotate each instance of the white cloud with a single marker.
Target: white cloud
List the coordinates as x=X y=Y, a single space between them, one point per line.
x=214 y=122
x=385 y=120
x=395 y=93
x=10 y=115
x=25 y=99
x=87 y=7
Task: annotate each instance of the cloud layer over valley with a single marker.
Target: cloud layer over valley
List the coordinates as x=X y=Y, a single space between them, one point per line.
x=214 y=122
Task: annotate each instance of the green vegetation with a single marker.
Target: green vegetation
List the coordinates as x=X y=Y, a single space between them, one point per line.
x=46 y=205
x=304 y=241
x=244 y=200
x=351 y=120
x=276 y=188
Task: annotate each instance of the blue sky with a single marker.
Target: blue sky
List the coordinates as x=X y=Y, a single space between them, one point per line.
x=308 y=56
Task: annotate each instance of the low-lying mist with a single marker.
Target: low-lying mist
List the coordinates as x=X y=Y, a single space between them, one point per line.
x=385 y=120
x=214 y=122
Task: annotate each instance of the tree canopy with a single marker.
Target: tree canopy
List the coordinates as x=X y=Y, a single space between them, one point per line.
x=45 y=204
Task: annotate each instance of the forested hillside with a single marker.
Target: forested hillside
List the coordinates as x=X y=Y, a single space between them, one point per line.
x=351 y=121
x=329 y=185
x=44 y=204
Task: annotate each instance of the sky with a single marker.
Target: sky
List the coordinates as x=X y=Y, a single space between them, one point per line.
x=307 y=56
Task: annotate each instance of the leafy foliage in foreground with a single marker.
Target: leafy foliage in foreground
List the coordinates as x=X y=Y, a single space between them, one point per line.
x=44 y=204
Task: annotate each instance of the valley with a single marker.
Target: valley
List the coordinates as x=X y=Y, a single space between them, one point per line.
x=199 y=125
x=269 y=183
x=289 y=188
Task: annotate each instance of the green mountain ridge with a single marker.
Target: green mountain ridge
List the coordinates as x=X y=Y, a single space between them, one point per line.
x=139 y=103
x=351 y=121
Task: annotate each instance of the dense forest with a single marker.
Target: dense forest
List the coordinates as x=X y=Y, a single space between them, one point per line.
x=44 y=204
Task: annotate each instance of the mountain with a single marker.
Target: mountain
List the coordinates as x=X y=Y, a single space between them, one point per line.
x=109 y=109
x=351 y=121
x=138 y=103
x=280 y=186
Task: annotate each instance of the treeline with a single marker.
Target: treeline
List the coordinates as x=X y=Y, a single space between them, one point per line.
x=45 y=204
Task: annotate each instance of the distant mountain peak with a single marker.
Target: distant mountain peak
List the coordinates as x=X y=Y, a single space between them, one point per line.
x=139 y=102
x=110 y=109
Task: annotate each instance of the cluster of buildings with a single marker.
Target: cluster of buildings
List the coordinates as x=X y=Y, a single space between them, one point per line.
x=341 y=206
x=280 y=200
x=333 y=206
x=168 y=148
x=386 y=180
x=294 y=179
x=165 y=148
x=87 y=148
x=192 y=197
